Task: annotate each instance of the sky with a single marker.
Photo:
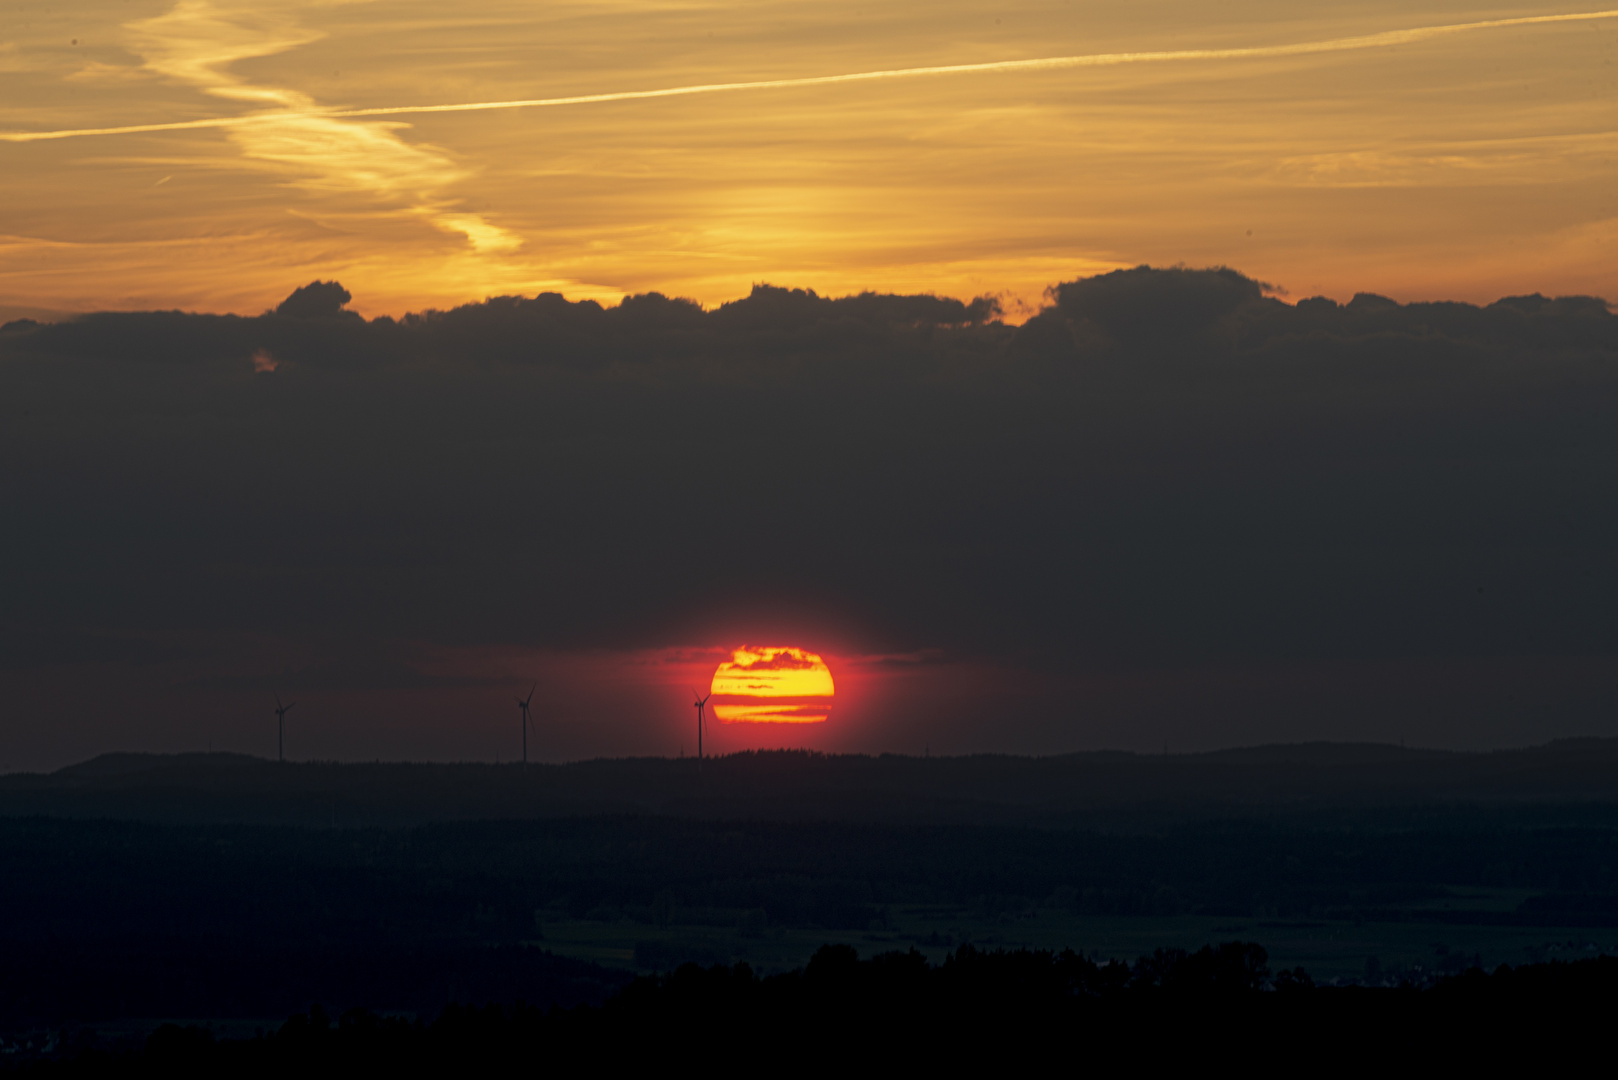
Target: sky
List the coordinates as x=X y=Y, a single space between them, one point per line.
x=1323 y=148
x=1170 y=510
x=1064 y=376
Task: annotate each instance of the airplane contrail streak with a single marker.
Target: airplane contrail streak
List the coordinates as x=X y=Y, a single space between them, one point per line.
x=1052 y=63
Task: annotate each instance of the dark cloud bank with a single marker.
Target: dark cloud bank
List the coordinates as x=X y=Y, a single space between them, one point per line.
x=1168 y=507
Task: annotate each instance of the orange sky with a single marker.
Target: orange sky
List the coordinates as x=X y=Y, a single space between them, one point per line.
x=1466 y=164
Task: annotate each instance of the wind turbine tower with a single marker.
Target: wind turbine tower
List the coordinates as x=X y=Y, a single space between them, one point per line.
x=522 y=703
x=701 y=702
x=281 y=728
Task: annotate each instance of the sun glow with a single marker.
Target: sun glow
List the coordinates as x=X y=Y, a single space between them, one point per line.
x=773 y=684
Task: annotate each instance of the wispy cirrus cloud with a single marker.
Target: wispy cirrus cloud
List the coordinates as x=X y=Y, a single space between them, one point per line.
x=1381 y=40
x=197 y=43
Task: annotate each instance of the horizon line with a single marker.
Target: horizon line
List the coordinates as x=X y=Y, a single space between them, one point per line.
x=926 y=755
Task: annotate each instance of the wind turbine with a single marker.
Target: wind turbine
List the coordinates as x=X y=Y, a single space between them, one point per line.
x=281 y=728
x=522 y=703
x=701 y=701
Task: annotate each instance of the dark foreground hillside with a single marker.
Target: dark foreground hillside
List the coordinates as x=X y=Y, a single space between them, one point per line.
x=1220 y=1006
x=211 y=890
x=102 y=920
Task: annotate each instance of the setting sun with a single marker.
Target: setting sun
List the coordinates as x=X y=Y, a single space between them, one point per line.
x=772 y=685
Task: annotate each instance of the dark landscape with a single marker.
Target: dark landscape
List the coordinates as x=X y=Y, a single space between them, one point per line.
x=223 y=894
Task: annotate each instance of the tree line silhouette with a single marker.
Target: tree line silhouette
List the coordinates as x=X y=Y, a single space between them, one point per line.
x=101 y=919
x=1216 y=1003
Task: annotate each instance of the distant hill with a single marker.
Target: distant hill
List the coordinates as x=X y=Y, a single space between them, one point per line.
x=1089 y=789
x=127 y=764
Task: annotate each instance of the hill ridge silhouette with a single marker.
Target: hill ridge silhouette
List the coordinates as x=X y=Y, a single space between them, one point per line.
x=1080 y=789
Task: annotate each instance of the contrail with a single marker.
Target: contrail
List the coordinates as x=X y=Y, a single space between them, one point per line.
x=1051 y=63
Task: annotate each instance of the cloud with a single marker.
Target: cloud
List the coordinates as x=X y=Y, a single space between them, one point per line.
x=1146 y=305
x=197 y=43
x=751 y=658
x=317 y=300
x=1381 y=40
x=1167 y=471
x=95 y=71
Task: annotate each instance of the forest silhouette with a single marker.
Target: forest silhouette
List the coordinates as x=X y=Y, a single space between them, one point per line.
x=1179 y=1006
